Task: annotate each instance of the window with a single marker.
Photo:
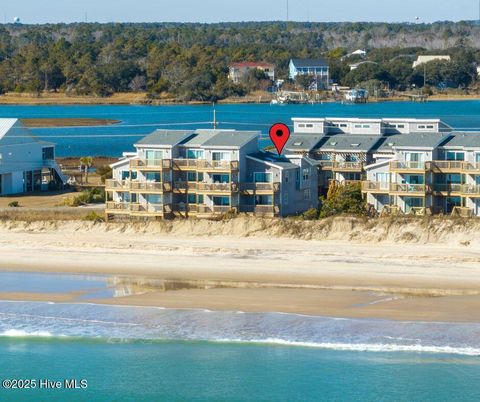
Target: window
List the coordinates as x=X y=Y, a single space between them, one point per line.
x=154 y=198
x=287 y=176
x=358 y=126
x=221 y=178
x=366 y=126
x=153 y=177
x=421 y=127
x=261 y=177
x=154 y=155
x=309 y=125
x=47 y=153
x=191 y=176
x=285 y=198
x=221 y=156
x=221 y=201
x=430 y=127
x=343 y=125
x=199 y=199
x=306 y=194
x=400 y=125
x=126 y=175
x=263 y=200
x=455 y=156
x=195 y=154
x=192 y=198
x=301 y=125
x=306 y=174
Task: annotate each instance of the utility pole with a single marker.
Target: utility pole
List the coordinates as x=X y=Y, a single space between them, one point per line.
x=214 y=117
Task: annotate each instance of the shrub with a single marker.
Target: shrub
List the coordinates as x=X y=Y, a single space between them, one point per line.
x=92 y=196
x=343 y=199
x=94 y=217
x=14 y=204
x=311 y=214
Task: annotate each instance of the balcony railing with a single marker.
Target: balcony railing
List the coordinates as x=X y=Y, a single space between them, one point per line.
x=448 y=187
x=398 y=165
x=456 y=166
x=147 y=208
x=369 y=186
x=471 y=167
x=215 y=209
x=185 y=185
x=202 y=164
x=150 y=186
x=407 y=188
x=117 y=206
x=258 y=209
x=217 y=187
x=463 y=212
x=325 y=164
x=270 y=187
x=471 y=189
x=117 y=185
x=355 y=166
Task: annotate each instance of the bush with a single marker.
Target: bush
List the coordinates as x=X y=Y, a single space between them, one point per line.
x=91 y=196
x=105 y=173
x=14 y=204
x=310 y=215
x=94 y=217
x=343 y=199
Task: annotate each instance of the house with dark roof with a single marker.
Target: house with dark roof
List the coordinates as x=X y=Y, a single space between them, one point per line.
x=318 y=69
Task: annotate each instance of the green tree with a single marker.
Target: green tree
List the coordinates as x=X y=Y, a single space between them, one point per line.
x=86 y=163
x=343 y=199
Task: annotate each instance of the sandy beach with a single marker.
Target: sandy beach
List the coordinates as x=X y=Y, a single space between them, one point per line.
x=342 y=268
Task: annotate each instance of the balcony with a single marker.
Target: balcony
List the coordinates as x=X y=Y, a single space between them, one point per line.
x=471 y=167
x=117 y=207
x=259 y=188
x=448 y=188
x=207 y=211
x=211 y=188
x=375 y=187
x=116 y=185
x=414 y=189
x=445 y=166
x=150 y=187
x=149 y=209
x=470 y=190
x=325 y=164
x=407 y=166
x=204 y=165
x=263 y=210
x=183 y=186
x=151 y=164
x=348 y=166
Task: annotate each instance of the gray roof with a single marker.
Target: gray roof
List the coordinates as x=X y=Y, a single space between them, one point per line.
x=199 y=137
x=414 y=140
x=319 y=62
x=279 y=161
x=464 y=140
x=348 y=142
x=231 y=138
x=302 y=142
x=167 y=138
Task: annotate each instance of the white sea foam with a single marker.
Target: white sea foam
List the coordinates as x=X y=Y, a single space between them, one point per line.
x=19 y=333
x=363 y=347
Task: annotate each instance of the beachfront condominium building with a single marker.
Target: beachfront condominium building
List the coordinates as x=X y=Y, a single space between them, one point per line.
x=414 y=166
x=208 y=173
x=317 y=69
x=27 y=164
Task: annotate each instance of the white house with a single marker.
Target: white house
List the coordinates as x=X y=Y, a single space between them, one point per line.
x=27 y=164
x=427 y=59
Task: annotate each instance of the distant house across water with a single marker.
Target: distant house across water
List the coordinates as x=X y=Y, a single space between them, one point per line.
x=238 y=70
x=317 y=68
x=426 y=59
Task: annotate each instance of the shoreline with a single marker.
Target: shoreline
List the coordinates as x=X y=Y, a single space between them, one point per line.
x=140 y=99
x=246 y=266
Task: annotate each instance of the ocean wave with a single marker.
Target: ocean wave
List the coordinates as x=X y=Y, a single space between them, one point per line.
x=363 y=347
x=19 y=333
x=136 y=324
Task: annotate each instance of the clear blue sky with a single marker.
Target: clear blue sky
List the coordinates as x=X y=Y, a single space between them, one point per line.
x=41 y=11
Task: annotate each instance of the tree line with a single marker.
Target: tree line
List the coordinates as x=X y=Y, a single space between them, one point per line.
x=190 y=61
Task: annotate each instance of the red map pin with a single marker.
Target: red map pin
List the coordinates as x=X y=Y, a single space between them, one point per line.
x=279 y=134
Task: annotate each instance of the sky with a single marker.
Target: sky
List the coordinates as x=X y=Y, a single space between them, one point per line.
x=52 y=11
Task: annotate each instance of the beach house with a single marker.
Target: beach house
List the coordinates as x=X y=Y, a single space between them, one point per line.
x=428 y=58
x=208 y=173
x=27 y=164
x=318 y=69
x=237 y=71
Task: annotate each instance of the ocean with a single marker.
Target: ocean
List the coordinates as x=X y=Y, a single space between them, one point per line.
x=126 y=353
x=138 y=121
